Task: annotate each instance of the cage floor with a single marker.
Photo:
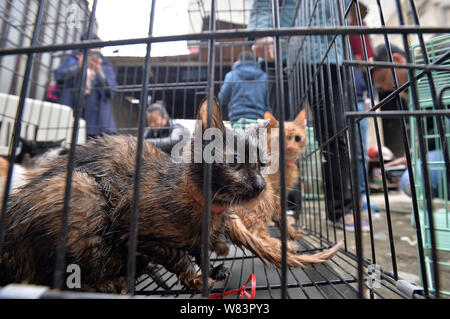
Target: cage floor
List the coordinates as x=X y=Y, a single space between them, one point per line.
x=334 y=279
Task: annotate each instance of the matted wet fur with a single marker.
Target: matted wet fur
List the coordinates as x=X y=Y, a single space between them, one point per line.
x=170 y=215
x=249 y=226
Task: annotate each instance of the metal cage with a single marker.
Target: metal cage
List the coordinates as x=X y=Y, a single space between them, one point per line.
x=314 y=68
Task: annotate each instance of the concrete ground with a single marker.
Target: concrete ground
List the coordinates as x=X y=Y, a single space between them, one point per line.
x=404 y=240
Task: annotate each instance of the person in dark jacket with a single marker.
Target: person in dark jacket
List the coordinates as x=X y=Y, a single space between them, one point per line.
x=161 y=130
x=245 y=92
x=100 y=81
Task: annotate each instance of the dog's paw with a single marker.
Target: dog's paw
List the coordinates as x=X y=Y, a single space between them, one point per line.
x=115 y=285
x=292 y=246
x=197 y=283
x=296 y=234
x=220 y=272
x=221 y=248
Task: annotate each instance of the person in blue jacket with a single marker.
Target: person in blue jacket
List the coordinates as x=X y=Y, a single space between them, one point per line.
x=100 y=81
x=245 y=92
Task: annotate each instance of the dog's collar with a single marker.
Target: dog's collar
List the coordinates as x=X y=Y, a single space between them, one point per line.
x=198 y=197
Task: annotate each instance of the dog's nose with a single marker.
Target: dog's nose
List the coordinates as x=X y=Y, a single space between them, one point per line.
x=259 y=185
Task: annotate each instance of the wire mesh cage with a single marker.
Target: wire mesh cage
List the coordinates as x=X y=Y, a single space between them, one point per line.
x=436 y=163
x=88 y=125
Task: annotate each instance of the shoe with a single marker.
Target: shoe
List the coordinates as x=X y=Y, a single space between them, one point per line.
x=373 y=207
x=350 y=224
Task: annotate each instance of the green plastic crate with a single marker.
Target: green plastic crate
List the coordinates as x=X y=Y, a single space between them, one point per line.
x=436 y=47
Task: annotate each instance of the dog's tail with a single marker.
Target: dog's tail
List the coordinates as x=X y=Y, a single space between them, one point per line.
x=316 y=258
x=268 y=248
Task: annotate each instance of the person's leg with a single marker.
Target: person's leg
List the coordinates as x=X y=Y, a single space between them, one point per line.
x=272 y=91
x=364 y=125
x=364 y=128
x=404 y=183
x=437 y=174
x=328 y=120
x=293 y=200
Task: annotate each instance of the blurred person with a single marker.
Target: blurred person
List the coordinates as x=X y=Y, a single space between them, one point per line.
x=382 y=77
x=161 y=130
x=244 y=91
x=436 y=168
x=362 y=94
x=52 y=94
x=383 y=80
x=263 y=48
x=98 y=93
x=355 y=39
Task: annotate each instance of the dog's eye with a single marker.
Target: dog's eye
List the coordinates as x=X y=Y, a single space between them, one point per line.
x=298 y=138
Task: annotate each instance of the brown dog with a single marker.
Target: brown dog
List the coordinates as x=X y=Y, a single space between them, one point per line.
x=250 y=225
x=170 y=212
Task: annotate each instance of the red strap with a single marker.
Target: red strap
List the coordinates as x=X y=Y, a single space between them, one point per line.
x=242 y=291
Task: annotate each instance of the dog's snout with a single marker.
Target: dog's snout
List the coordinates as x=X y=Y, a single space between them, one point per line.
x=259 y=184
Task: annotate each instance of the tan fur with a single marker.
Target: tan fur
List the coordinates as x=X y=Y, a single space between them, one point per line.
x=267 y=249
x=4 y=165
x=294 y=149
x=248 y=226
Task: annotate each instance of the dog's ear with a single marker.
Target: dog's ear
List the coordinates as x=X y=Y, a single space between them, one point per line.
x=27 y=144
x=273 y=121
x=202 y=115
x=300 y=119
